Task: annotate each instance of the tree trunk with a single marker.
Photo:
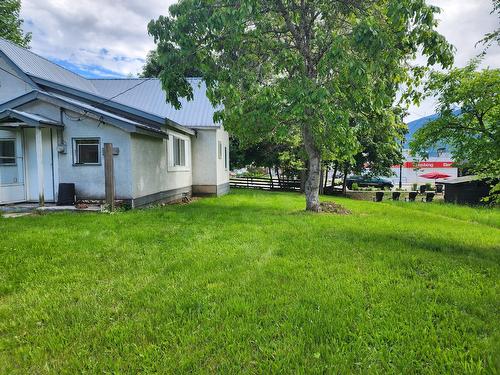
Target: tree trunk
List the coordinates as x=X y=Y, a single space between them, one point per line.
x=276 y=169
x=334 y=173
x=271 y=177
x=303 y=177
x=313 y=171
x=344 y=183
x=321 y=180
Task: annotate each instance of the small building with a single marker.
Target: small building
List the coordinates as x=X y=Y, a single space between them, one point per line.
x=465 y=190
x=440 y=159
x=54 y=124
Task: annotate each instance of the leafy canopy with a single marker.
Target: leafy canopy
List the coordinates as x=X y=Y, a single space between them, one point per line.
x=11 y=24
x=473 y=134
x=322 y=68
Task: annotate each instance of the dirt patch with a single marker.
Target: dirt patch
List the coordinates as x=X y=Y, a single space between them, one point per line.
x=182 y=202
x=334 y=208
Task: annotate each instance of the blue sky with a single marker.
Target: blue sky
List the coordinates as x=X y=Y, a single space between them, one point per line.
x=108 y=38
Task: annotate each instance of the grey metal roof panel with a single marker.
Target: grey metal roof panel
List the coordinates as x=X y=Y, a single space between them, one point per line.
x=37 y=66
x=25 y=116
x=147 y=95
x=95 y=110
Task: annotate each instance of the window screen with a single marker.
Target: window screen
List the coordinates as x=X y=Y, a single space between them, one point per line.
x=87 y=151
x=7 y=152
x=179 y=151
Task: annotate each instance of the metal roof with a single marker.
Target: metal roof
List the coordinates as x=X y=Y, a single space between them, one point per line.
x=85 y=110
x=37 y=66
x=133 y=94
x=460 y=180
x=147 y=95
x=26 y=117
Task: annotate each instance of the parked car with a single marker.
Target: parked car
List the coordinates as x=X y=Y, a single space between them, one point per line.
x=364 y=181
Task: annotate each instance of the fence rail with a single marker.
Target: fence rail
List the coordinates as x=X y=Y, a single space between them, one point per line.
x=264 y=183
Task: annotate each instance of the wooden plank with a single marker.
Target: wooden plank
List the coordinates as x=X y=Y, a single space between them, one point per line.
x=109 y=176
x=39 y=166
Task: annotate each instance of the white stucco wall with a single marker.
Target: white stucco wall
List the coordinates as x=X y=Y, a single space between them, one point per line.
x=10 y=86
x=209 y=171
x=152 y=165
x=222 y=171
x=89 y=179
x=205 y=158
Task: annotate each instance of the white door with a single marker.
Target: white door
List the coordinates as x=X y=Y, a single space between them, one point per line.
x=31 y=165
x=12 y=185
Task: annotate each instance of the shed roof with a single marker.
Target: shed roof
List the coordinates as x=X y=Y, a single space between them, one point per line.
x=460 y=180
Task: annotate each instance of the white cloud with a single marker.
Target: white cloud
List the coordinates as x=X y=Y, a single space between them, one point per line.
x=107 y=33
x=112 y=34
x=463 y=23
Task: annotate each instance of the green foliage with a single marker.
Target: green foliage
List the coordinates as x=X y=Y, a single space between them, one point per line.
x=325 y=70
x=250 y=283
x=355 y=186
x=11 y=24
x=153 y=67
x=473 y=133
x=493 y=36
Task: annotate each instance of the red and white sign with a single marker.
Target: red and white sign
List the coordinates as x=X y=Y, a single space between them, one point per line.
x=427 y=164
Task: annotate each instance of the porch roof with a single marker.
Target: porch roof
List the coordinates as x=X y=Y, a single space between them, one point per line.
x=14 y=118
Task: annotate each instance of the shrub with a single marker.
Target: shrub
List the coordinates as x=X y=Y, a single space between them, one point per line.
x=355 y=186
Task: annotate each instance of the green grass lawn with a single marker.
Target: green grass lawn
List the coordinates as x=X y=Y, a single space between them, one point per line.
x=251 y=283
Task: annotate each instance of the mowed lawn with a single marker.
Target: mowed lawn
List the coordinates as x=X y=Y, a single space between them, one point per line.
x=250 y=283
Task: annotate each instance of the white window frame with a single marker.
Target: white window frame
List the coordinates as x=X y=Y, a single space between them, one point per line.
x=13 y=140
x=173 y=164
x=76 y=161
x=226 y=158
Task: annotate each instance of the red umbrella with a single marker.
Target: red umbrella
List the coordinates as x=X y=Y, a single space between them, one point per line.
x=435 y=175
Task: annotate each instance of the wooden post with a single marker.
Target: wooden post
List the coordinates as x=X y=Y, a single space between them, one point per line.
x=39 y=165
x=109 y=176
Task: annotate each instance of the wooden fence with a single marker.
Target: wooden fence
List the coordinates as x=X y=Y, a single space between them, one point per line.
x=265 y=183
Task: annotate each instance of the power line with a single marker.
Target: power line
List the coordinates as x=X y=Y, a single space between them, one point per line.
x=95 y=105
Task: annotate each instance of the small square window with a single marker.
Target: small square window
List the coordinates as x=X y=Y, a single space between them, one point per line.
x=87 y=151
x=7 y=152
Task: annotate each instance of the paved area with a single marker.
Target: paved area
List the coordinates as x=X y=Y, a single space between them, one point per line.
x=23 y=209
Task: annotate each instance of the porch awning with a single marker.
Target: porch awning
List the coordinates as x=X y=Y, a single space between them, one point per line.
x=13 y=118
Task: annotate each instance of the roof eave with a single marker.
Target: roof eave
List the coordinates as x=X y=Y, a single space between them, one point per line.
x=111 y=104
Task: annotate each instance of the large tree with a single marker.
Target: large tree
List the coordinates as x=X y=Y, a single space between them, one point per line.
x=317 y=66
x=469 y=121
x=11 y=24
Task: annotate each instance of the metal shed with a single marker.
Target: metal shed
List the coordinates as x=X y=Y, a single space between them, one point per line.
x=466 y=190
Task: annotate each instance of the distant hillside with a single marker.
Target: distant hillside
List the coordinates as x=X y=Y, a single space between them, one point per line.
x=414 y=125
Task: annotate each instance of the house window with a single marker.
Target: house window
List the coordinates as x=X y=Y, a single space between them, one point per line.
x=179 y=150
x=7 y=152
x=220 y=150
x=226 y=158
x=441 y=151
x=87 y=151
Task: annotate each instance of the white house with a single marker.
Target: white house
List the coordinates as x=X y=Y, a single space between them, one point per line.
x=54 y=123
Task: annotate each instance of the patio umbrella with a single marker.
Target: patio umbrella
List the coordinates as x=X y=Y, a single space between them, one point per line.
x=434 y=175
